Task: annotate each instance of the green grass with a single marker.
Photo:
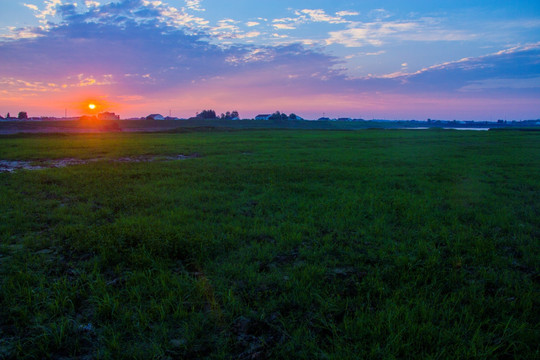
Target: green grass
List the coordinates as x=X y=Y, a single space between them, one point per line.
x=273 y=244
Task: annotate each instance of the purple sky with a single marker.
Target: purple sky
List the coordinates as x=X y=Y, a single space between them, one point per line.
x=474 y=60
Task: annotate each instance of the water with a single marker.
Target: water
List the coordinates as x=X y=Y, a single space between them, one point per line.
x=468 y=128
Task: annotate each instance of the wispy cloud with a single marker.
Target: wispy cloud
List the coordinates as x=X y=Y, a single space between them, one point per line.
x=347 y=13
x=376 y=33
x=305 y=16
x=194 y=5
x=515 y=68
x=48 y=11
x=284 y=27
x=319 y=15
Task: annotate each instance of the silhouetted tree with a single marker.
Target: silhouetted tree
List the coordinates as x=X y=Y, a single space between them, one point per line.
x=230 y=115
x=22 y=115
x=207 y=114
x=8 y=116
x=293 y=116
x=275 y=116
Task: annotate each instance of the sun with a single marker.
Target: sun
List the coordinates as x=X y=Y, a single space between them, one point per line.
x=91 y=106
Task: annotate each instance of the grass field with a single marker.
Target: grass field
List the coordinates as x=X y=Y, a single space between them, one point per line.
x=273 y=244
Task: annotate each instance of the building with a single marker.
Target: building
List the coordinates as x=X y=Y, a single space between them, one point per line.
x=155 y=117
x=108 y=116
x=263 y=117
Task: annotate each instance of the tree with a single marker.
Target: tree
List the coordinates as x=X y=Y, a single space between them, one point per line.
x=8 y=116
x=293 y=116
x=22 y=115
x=275 y=116
x=207 y=114
x=230 y=115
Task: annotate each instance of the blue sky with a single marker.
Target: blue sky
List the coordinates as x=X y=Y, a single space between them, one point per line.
x=475 y=60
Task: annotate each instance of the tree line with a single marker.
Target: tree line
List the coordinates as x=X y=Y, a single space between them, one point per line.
x=211 y=114
x=21 y=116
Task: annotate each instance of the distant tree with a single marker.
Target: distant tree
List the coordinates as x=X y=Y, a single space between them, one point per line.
x=293 y=116
x=207 y=114
x=230 y=115
x=8 y=116
x=275 y=116
x=278 y=116
x=22 y=115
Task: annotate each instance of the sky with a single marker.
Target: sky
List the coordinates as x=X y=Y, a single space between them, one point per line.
x=463 y=60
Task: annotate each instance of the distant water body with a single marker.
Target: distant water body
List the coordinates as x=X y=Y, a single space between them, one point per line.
x=444 y=128
x=468 y=128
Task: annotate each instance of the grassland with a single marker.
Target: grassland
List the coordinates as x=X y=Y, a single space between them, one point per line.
x=273 y=244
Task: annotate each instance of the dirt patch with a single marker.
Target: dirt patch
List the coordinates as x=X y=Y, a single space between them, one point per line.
x=13 y=165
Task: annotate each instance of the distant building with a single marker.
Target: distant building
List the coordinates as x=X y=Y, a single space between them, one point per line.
x=263 y=117
x=108 y=116
x=155 y=117
x=171 y=118
x=344 y=119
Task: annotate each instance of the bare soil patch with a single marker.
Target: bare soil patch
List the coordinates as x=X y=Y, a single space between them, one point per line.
x=13 y=165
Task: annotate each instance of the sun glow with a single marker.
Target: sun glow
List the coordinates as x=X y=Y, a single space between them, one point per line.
x=91 y=106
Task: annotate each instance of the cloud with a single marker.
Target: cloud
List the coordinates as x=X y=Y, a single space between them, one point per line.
x=32 y=7
x=347 y=13
x=250 y=34
x=379 y=14
x=377 y=33
x=227 y=29
x=194 y=5
x=284 y=27
x=20 y=33
x=515 y=68
x=90 y=3
x=47 y=12
x=319 y=15
x=252 y=23
x=305 y=16
x=144 y=47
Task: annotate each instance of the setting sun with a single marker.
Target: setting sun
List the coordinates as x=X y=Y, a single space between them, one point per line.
x=91 y=106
